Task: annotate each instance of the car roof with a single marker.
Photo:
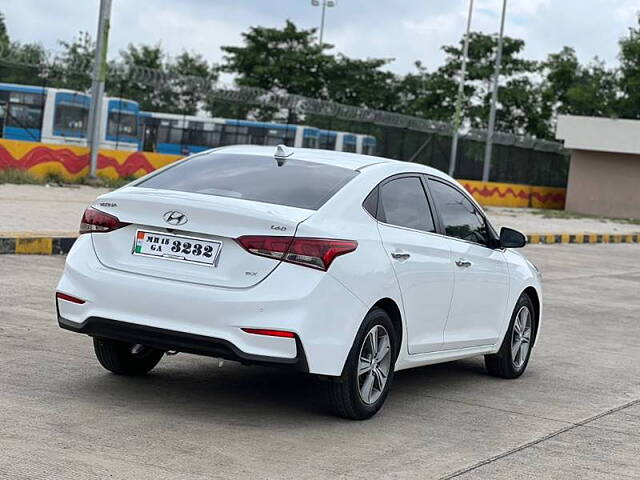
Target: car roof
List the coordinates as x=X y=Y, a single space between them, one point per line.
x=352 y=161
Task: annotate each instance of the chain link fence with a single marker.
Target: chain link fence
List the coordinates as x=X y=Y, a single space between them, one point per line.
x=516 y=159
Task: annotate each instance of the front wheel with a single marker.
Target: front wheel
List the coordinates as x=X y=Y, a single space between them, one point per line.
x=513 y=357
x=368 y=373
x=125 y=358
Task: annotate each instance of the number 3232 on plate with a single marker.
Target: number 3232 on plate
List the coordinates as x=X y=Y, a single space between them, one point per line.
x=176 y=247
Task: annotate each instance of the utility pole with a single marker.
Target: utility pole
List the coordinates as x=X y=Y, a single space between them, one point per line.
x=97 y=85
x=458 y=114
x=494 y=100
x=325 y=4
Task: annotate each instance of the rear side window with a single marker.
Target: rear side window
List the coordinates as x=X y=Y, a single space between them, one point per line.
x=460 y=217
x=291 y=182
x=403 y=202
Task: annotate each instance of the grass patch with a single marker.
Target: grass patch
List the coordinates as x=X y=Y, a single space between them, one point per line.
x=22 y=177
x=19 y=177
x=114 y=183
x=564 y=215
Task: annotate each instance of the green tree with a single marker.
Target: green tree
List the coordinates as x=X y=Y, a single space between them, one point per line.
x=4 y=35
x=142 y=76
x=72 y=68
x=190 y=80
x=571 y=88
x=515 y=75
x=629 y=79
x=291 y=60
x=287 y=59
x=362 y=83
x=26 y=64
x=429 y=95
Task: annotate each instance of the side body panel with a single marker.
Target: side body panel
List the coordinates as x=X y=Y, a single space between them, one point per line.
x=480 y=296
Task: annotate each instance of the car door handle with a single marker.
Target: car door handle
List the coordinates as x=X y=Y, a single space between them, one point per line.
x=400 y=255
x=462 y=263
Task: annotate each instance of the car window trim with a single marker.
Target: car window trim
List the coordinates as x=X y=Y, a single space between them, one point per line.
x=442 y=232
x=427 y=197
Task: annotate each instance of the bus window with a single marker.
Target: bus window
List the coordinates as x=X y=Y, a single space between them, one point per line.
x=349 y=147
x=327 y=142
x=176 y=134
x=24 y=116
x=24 y=110
x=70 y=119
x=368 y=145
x=122 y=124
x=214 y=136
x=280 y=136
x=310 y=142
x=233 y=135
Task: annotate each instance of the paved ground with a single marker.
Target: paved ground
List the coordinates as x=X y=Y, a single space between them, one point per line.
x=57 y=210
x=574 y=414
x=42 y=209
x=530 y=220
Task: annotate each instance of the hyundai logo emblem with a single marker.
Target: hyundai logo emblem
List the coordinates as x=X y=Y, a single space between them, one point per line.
x=174 y=217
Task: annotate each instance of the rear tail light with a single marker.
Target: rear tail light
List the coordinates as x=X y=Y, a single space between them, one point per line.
x=99 y=222
x=311 y=252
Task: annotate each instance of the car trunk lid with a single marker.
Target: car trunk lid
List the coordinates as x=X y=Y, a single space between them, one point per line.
x=208 y=217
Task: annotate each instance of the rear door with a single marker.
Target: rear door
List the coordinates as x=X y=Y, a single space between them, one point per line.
x=481 y=273
x=421 y=260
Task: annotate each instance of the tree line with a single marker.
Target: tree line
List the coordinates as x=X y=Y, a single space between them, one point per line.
x=532 y=93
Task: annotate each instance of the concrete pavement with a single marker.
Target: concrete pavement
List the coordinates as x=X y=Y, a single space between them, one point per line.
x=574 y=414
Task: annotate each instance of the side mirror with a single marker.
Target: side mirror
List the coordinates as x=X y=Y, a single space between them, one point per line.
x=510 y=238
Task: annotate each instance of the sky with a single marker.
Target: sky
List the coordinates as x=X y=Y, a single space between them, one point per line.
x=403 y=30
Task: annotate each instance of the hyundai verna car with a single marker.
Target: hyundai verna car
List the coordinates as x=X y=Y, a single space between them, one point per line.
x=345 y=266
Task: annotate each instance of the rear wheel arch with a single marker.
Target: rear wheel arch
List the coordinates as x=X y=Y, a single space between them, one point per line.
x=392 y=309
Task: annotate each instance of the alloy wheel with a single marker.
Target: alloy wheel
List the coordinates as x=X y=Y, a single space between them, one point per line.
x=374 y=363
x=521 y=337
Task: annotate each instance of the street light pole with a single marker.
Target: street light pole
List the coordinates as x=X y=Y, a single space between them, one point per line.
x=97 y=85
x=324 y=11
x=486 y=168
x=325 y=4
x=458 y=114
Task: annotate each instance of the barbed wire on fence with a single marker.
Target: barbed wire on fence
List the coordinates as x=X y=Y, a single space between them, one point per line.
x=258 y=97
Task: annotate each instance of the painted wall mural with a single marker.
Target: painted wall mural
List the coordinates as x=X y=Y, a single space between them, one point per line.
x=71 y=162
x=514 y=195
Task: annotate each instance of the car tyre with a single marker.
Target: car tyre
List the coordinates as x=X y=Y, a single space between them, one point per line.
x=122 y=359
x=362 y=389
x=513 y=357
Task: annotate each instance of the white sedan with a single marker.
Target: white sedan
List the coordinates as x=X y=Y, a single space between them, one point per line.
x=346 y=266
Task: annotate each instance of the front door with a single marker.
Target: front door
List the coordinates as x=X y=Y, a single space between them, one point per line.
x=150 y=137
x=420 y=258
x=478 y=307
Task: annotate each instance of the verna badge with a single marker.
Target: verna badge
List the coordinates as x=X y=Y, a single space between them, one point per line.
x=174 y=217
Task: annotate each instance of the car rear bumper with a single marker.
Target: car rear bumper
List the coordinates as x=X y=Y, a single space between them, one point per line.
x=319 y=310
x=171 y=340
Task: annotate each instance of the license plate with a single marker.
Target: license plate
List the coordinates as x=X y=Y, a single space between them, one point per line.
x=177 y=247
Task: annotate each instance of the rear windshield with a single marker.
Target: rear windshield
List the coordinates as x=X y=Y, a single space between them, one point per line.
x=294 y=183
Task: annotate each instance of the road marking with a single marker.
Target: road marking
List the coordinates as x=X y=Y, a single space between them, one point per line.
x=544 y=438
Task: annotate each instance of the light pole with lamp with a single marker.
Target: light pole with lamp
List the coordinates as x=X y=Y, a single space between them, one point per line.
x=325 y=4
x=486 y=168
x=458 y=114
